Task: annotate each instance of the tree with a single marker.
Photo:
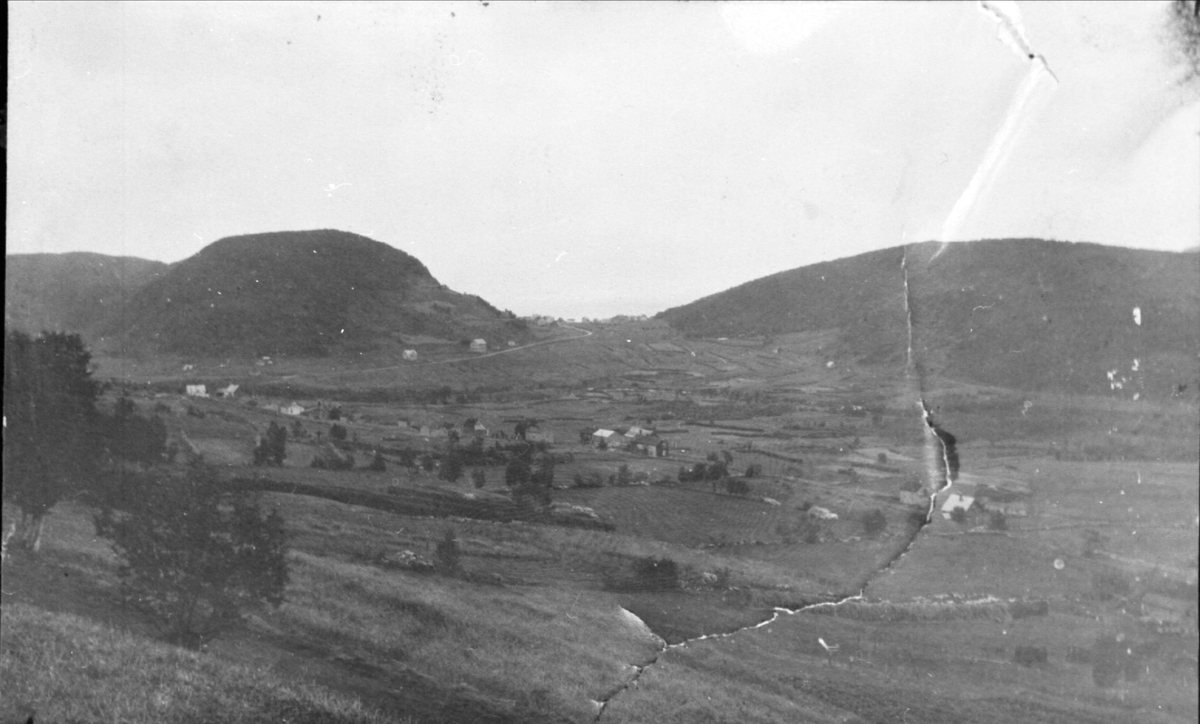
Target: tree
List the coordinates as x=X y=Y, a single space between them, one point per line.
x=272 y=447
x=452 y=465
x=753 y=470
x=479 y=477
x=997 y=520
x=50 y=441
x=543 y=473
x=517 y=472
x=874 y=522
x=131 y=437
x=959 y=515
x=193 y=556
x=378 y=464
x=337 y=432
x=624 y=476
x=447 y=555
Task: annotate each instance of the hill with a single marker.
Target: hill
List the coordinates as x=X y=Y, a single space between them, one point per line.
x=307 y=293
x=70 y=292
x=1022 y=313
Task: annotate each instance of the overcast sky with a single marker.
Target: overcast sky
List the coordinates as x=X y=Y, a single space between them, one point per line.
x=588 y=159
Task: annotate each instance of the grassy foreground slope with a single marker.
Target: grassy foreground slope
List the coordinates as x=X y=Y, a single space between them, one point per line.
x=59 y=667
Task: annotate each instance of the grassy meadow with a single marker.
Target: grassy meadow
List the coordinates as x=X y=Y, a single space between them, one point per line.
x=552 y=623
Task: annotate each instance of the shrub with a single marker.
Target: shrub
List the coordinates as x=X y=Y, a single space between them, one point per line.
x=656 y=573
x=997 y=520
x=624 y=477
x=753 y=470
x=592 y=480
x=378 y=464
x=737 y=486
x=881 y=458
x=874 y=522
x=959 y=515
x=447 y=555
x=478 y=477
x=1030 y=655
x=194 y=556
x=337 y=432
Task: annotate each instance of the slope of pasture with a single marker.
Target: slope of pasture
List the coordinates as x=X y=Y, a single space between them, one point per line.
x=1136 y=527
x=939 y=671
x=678 y=515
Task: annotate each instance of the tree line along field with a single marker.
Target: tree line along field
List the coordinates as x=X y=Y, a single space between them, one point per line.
x=528 y=623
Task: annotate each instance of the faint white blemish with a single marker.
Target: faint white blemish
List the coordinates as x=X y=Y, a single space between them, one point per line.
x=775 y=27
x=1135 y=364
x=334 y=187
x=558 y=258
x=1026 y=407
x=1137 y=316
x=201 y=238
x=976 y=309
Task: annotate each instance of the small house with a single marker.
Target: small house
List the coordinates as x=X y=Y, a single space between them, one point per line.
x=955 y=501
x=822 y=513
x=291 y=409
x=652 y=445
x=189 y=368
x=196 y=391
x=228 y=393
x=479 y=345
x=409 y=355
x=607 y=438
x=635 y=432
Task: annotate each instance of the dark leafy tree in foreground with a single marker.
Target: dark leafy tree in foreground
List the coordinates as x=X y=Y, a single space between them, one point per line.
x=51 y=445
x=194 y=556
x=129 y=436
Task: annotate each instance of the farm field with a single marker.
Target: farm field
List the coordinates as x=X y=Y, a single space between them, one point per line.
x=638 y=595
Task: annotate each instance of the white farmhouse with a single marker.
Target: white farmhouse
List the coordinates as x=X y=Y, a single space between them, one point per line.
x=410 y=355
x=954 y=501
x=196 y=391
x=479 y=345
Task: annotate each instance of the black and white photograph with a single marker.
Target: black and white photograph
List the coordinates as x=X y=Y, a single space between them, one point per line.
x=585 y=362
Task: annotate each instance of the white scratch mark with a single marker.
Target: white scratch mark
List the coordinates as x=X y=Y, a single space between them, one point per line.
x=1012 y=33
x=1137 y=316
x=334 y=187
